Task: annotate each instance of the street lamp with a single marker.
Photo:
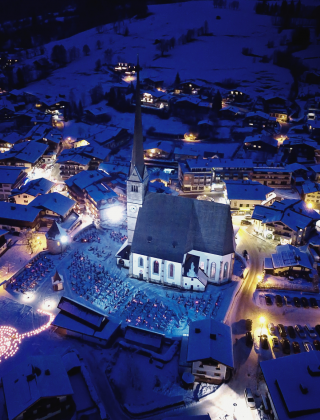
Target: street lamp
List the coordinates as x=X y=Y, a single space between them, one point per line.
x=63 y=240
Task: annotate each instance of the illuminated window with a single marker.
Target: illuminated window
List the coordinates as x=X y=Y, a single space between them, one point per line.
x=58 y=243
x=156 y=267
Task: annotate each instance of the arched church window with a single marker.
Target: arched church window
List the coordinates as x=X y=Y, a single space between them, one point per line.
x=156 y=267
x=213 y=270
x=225 y=270
x=140 y=262
x=171 y=271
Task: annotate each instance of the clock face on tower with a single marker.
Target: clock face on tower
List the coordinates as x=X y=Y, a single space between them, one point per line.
x=133 y=209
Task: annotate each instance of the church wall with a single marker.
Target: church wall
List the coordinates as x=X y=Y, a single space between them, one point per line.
x=189 y=283
x=177 y=273
x=207 y=259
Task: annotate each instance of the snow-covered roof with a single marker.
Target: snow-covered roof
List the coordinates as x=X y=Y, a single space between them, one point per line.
x=188 y=227
x=86 y=178
x=190 y=99
x=12 y=138
x=210 y=339
x=3 y=232
x=35 y=187
x=310 y=187
x=206 y=122
x=261 y=138
x=56 y=231
x=37 y=377
x=220 y=163
x=230 y=108
x=55 y=202
x=82 y=312
x=71 y=155
x=290 y=256
x=293 y=213
x=29 y=151
x=260 y=114
x=18 y=211
x=166 y=146
x=293 y=383
x=100 y=192
x=247 y=190
x=10 y=174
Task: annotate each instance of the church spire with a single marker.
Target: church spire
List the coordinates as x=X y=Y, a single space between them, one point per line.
x=137 y=151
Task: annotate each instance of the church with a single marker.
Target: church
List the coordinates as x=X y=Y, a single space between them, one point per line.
x=173 y=240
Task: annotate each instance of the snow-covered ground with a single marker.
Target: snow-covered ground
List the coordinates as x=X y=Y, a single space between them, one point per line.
x=211 y=58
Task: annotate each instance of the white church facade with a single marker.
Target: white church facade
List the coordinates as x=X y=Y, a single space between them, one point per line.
x=173 y=240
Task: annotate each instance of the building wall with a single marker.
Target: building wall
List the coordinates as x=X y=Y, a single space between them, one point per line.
x=206 y=372
x=313 y=198
x=207 y=259
x=23 y=198
x=244 y=205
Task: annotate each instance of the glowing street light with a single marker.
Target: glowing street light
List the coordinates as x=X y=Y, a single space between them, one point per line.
x=262 y=320
x=310 y=205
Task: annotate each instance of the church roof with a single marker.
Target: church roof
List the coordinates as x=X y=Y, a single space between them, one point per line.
x=170 y=226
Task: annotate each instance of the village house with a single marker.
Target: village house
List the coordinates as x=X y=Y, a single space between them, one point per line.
x=110 y=137
x=273 y=176
x=314 y=128
x=212 y=360
x=155 y=99
x=9 y=140
x=261 y=120
x=17 y=217
x=315 y=172
x=3 y=241
x=152 y=83
x=28 y=192
x=310 y=193
x=92 y=194
x=43 y=388
x=97 y=115
x=229 y=112
x=191 y=87
x=126 y=68
x=71 y=163
x=239 y=95
x=28 y=155
x=291 y=385
x=261 y=142
x=185 y=151
x=243 y=196
x=286 y=221
x=301 y=147
x=276 y=106
x=11 y=178
x=290 y=262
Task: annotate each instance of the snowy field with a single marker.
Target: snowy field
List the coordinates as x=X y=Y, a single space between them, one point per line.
x=210 y=58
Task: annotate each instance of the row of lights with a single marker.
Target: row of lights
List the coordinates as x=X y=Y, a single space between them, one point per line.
x=10 y=338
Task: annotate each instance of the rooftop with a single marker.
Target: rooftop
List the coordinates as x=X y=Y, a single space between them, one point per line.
x=247 y=190
x=210 y=339
x=54 y=202
x=293 y=384
x=35 y=187
x=10 y=174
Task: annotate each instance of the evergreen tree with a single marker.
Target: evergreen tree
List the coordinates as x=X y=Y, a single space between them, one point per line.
x=86 y=50
x=177 y=80
x=21 y=82
x=112 y=97
x=217 y=101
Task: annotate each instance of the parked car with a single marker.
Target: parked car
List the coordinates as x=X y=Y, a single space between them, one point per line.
x=313 y=303
x=285 y=343
x=249 y=339
x=296 y=302
x=248 y=324
x=287 y=300
x=310 y=331
x=300 y=331
x=278 y=300
x=245 y=222
x=307 y=346
x=271 y=328
x=282 y=330
x=291 y=332
x=264 y=341
x=316 y=344
x=268 y=300
x=249 y=399
x=317 y=328
x=275 y=343
x=304 y=302
x=296 y=347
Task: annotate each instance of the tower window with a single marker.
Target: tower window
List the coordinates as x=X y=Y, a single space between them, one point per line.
x=140 y=262
x=134 y=188
x=156 y=267
x=171 y=271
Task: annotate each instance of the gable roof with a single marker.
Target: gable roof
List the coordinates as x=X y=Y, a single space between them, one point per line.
x=55 y=202
x=35 y=187
x=18 y=211
x=247 y=190
x=35 y=378
x=178 y=225
x=10 y=174
x=55 y=230
x=29 y=151
x=210 y=339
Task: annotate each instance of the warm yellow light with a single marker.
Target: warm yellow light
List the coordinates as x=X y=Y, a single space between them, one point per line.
x=309 y=205
x=262 y=319
x=38 y=237
x=259 y=277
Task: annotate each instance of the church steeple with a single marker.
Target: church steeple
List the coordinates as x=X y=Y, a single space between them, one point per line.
x=137 y=160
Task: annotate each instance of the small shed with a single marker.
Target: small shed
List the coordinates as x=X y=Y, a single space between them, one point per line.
x=57 y=281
